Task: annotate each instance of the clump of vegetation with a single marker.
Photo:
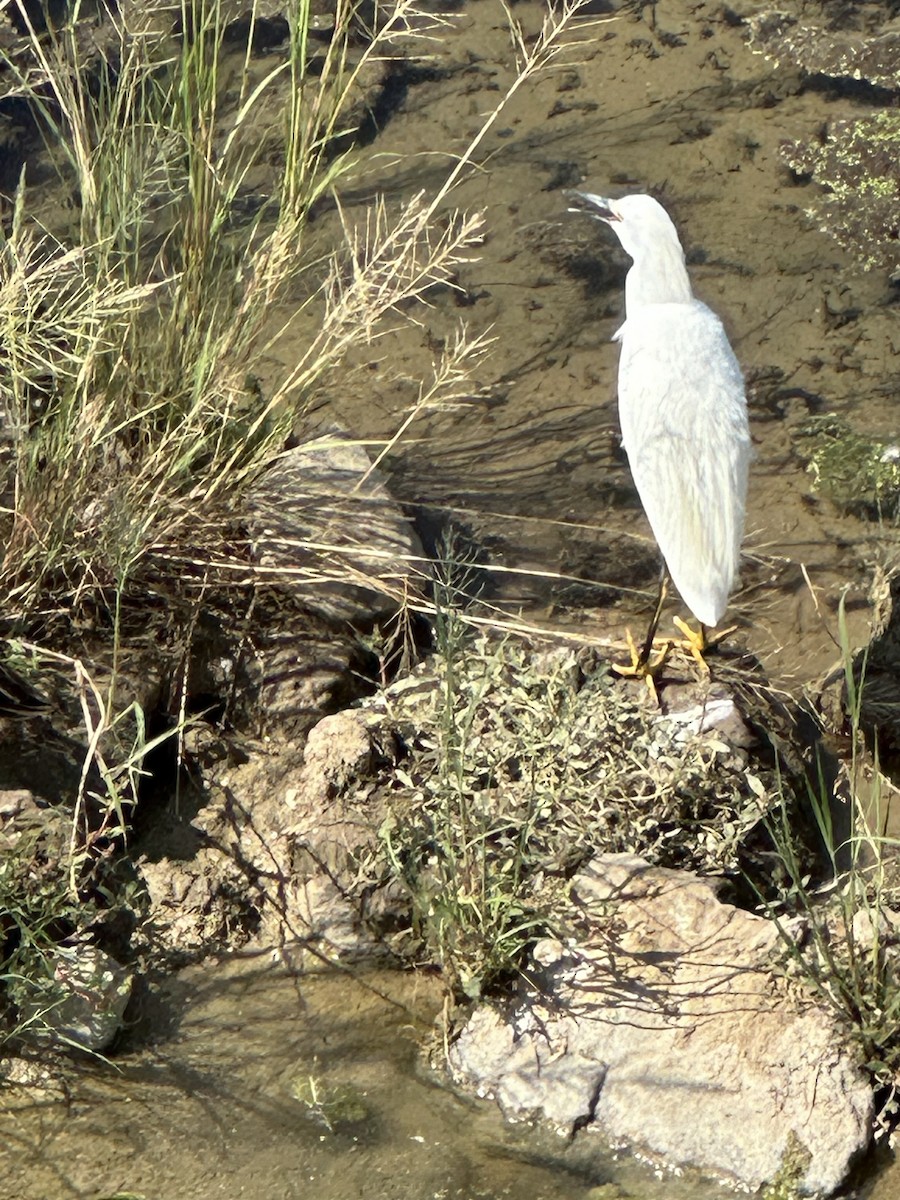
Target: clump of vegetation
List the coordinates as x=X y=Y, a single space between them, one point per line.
x=132 y=341
x=40 y=917
x=842 y=43
x=788 y=1183
x=848 y=953
x=859 y=474
x=337 y=1107
x=523 y=764
x=856 y=160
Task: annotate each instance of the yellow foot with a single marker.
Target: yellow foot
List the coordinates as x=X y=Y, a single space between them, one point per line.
x=694 y=643
x=646 y=668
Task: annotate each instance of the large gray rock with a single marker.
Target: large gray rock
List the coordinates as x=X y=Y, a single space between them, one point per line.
x=664 y=1027
x=323 y=515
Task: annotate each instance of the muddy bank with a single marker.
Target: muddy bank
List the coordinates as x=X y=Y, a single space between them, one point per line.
x=672 y=101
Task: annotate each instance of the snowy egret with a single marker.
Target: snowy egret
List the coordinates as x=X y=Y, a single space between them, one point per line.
x=683 y=414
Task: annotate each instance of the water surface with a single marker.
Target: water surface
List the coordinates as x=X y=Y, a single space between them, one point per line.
x=272 y=1086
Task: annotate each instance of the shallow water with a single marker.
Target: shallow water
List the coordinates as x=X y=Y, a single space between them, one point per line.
x=271 y=1087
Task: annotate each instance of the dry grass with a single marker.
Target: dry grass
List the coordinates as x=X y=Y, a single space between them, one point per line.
x=131 y=338
x=132 y=343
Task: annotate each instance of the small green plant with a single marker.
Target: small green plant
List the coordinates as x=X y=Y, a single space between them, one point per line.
x=57 y=986
x=61 y=880
x=850 y=956
x=788 y=1183
x=466 y=861
x=855 y=161
x=335 y=1106
x=526 y=760
x=859 y=474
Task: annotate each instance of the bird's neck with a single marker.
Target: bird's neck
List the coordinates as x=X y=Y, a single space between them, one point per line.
x=658 y=279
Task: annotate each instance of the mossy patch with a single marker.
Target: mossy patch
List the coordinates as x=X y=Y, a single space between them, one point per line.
x=860 y=474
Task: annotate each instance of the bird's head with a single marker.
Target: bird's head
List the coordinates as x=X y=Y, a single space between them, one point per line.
x=640 y=223
x=648 y=236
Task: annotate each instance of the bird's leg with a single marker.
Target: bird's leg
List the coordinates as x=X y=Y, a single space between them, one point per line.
x=643 y=665
x=647 y=650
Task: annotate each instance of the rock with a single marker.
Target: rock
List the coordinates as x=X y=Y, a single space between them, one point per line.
x=693 y=709
x=16 y=804
x=300 y=676
x=323 y=513
x=278 y=852
x=876 y=670
x=319 y=911
x=338 y=752
x=19 y=811
x=206 y=903
x=81 y=1001
x=328 y=823
x=662 y=1026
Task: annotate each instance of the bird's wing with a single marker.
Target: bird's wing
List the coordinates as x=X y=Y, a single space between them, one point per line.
x=684 y=426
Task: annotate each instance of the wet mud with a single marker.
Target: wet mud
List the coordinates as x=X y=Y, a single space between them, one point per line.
x=275 y=1087
x=668 y=99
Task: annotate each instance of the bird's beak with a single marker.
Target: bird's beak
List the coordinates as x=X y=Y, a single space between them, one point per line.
x=594 y=206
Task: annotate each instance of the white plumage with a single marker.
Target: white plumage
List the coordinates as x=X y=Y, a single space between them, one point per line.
x=682 y=408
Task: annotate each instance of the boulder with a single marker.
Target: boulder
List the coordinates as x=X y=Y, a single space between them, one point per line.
x=80 y=1001
x=279 y=847
x=324 y=517
x=664 y=1026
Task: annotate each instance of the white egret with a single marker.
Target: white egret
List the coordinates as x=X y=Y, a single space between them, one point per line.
x=683 y=414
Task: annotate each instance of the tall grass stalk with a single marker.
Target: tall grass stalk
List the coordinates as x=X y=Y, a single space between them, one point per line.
x=136 y=417
x=155 y=416
x=850 y=955
x=467 y=852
